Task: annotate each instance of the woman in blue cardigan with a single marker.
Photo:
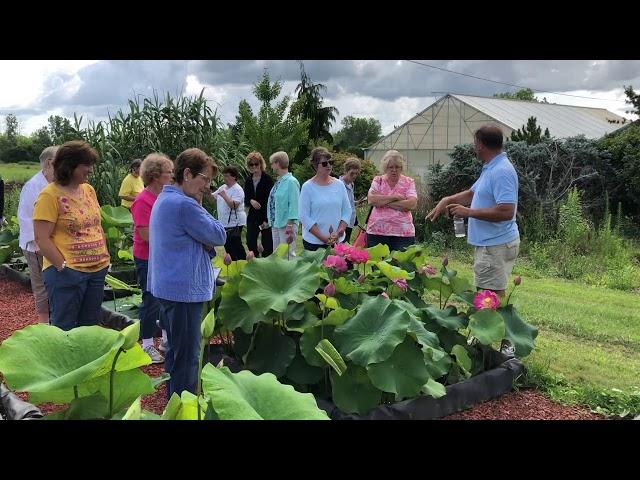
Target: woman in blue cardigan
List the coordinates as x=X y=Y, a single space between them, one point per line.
x=182 y=240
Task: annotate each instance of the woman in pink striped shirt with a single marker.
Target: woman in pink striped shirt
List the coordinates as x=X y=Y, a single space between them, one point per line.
x=393 y=197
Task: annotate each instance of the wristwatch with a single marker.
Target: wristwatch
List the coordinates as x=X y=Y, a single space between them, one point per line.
x=63 y=266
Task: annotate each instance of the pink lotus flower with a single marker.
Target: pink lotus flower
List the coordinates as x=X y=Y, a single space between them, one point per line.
x=342 y=249
x=384 y=294
x=330 y=290
x=250 y=256
x=486 y=299
x=402 y=284
x=427 y=270
x=358 y=256
x=337 y=263
x=517 y=281
x=227 y=259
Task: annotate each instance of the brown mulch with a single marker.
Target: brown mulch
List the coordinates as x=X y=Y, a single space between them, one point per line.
x=17 y=310
x=524 y=405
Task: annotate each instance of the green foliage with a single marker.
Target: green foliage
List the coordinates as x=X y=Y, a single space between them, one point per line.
x=531 y=133
x=372 y=348
x=525 y=94
x=633 y=99
x=271 y=129
x=357 y=133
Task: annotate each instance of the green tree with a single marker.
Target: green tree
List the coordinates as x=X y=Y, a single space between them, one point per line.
x=309 y=106
x=12 y=130
x=357 y=133
x=525 y=94
x=633 y=98
x=271 y=129
x=61 y=130
x=41 y=139
x=531 y=133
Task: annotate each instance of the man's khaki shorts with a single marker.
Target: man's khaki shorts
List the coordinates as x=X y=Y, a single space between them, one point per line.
x=493 y=265
x=37 y=282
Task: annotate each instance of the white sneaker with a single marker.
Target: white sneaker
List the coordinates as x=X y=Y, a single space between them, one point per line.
x=155 y=355
x=164 y=346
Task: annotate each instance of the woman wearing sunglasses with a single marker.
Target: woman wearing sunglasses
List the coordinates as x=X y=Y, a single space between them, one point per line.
x=324 y=205
x=257 y=187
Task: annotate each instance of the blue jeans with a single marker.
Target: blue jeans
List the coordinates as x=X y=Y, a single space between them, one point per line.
x=75 y=298
x=150 y=307
x=182 y=323
x=394 y=243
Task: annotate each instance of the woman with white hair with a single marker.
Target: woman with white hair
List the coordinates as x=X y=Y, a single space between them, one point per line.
x=282 y=205
x=392 y=197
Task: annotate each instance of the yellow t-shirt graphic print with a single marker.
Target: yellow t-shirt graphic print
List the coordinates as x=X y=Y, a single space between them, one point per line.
x=78 y=231
x=131 y=186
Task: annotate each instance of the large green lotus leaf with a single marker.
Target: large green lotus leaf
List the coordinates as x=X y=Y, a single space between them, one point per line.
x=41 y=357
x=346 y=287
x=127 y=385
x=487 y=326
x=116 y=216
x=134 y=412
x=245 y=396
x=302 y=373
x=462 y=359
x=310 y=339
x=438 y=362
x=234 y=311
x=353 y=391
x=133 y=358
x=373 y=333
x=126 y=255
x=409 y=307
x=312 y=257
x=422 y=335
x=436 y=284
x=518 y=332
x=91 y=407
x=5 y=252
x=408 y=255
x=449 y=338
x=7 y=236
x=350 y=302
x=448 y=318
x=434 y=389
x=309 y=320
x=208 y=325
x=392 y=272
x=337 y=317
x=294 y=311
x=403 y=373
x=378 y=252
x=118 y=284
x=272 y=351
x=271 y=283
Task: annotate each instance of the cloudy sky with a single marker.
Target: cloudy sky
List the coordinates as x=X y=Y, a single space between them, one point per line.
x=391 y=91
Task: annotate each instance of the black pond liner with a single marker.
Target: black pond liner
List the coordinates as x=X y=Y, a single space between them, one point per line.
x=13 y=407
x=492 y=383
x=21 y=277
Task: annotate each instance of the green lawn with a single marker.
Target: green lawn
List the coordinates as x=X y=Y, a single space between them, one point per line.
x=18 y=172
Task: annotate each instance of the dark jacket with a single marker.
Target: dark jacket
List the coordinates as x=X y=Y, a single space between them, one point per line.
x=260 y=195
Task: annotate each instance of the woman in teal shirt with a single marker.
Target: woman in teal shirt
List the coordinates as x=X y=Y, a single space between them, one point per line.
x=282 y=207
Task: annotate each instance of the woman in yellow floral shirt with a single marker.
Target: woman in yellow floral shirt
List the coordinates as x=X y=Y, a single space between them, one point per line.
x=68 y=230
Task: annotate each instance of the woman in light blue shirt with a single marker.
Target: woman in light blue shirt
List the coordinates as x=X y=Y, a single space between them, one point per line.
x=324 y=205
x=282 y=205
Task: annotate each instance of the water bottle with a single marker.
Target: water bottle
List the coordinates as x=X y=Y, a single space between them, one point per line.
x=458 y=227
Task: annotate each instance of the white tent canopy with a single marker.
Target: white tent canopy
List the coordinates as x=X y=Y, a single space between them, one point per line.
x=431 y=135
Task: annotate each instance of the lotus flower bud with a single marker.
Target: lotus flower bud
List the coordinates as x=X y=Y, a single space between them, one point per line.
x=227 y=259
x=289 y=238
x=445 y=261
x=361 y=278
x=384 y=294
x=517 y=281
x=250 y=256
x=330 y=290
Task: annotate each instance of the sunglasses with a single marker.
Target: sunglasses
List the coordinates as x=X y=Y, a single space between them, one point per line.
x=326 y=163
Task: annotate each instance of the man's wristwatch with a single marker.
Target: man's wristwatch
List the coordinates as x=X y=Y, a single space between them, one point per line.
x=63 y=266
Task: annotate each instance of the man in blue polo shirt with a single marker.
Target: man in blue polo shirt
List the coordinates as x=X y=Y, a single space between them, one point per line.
x=492 y=214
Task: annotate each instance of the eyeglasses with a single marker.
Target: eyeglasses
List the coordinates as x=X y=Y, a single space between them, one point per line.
x=254 y=164
x=205 y=177
x=326 y=163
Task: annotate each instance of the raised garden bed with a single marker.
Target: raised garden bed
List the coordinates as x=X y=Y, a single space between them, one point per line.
x=19 y=276
x=13 y=407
